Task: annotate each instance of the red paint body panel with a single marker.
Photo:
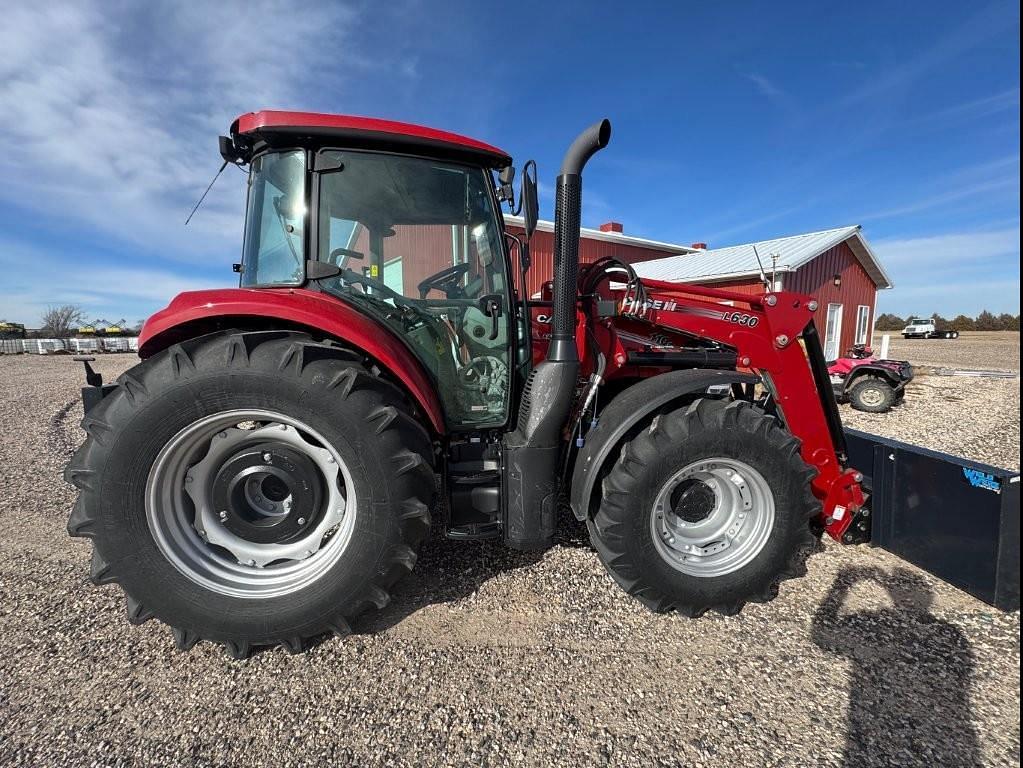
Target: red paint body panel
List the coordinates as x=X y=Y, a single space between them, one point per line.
x=252 y=122
x=313 y=309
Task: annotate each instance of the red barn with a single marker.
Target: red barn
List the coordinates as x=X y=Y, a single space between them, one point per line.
x=608 y=240
x=835 y=266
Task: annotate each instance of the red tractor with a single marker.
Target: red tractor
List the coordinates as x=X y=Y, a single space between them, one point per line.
x=266 y=473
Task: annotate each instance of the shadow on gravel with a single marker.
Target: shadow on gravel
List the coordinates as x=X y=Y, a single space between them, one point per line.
x=909 y=689
x=448 y=570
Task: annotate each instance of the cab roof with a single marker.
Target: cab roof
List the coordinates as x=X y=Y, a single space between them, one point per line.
x=274 y=125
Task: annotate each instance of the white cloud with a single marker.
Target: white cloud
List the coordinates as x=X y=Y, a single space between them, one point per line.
x=952 y=273
x=951 y=296
x=101 y=289
x=765 y=86
x=949 y=249
x=110 y=111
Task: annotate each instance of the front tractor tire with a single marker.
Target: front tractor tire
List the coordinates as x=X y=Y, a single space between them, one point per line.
x=708 y=508
x=252 y=489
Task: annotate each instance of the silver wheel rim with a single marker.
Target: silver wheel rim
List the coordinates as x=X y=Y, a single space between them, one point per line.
x=871 y=396
x=724 y=528
x=192 y=535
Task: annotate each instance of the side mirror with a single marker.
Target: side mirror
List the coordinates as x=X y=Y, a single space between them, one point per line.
x=506 y=189
x=528 y=199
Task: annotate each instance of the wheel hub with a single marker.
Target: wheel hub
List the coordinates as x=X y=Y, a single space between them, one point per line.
x=693 y=501
x=712 y=517
x=250 y=503
x=872 y=396
x=267 y=493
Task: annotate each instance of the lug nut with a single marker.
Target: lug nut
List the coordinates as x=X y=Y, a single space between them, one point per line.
x=301 y=521
x=267 y=457
x=223 y=514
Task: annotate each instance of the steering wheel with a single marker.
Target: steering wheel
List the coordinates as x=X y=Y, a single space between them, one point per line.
x=445 y=281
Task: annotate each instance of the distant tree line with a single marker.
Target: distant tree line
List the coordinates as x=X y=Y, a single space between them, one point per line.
x=65 y=320
x=985 y=321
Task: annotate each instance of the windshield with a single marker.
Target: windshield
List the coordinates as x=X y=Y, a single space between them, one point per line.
x=419 y=245
x=275 y=221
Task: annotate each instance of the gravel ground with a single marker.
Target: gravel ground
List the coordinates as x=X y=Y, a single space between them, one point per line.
x=489 y=657
x=977 y=418
x=994 y=350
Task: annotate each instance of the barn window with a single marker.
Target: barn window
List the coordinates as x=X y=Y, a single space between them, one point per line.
x=862 y=324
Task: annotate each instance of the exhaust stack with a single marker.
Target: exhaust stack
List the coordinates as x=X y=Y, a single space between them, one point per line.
x=531 y=451
x=567 y=216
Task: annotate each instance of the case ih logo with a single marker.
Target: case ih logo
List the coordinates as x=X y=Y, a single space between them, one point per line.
x=632 y=306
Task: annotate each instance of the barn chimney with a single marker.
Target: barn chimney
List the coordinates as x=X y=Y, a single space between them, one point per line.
x=699 y=246
x=611 y=226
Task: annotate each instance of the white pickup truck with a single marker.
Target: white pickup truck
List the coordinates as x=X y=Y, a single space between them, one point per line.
x=918 y=328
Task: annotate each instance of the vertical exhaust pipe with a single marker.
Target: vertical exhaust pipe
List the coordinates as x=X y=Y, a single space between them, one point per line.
x=567 y=217
x=531 y=452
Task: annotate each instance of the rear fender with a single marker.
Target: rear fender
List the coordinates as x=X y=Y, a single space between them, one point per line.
x=632 y=408
x=198 y=312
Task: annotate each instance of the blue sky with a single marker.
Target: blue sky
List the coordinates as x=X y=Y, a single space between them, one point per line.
x=732 y=122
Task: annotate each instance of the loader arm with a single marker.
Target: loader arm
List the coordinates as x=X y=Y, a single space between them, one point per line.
x=773 y=334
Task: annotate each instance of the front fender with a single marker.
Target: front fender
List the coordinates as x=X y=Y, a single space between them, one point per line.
x=194 y=312
x=628 y=410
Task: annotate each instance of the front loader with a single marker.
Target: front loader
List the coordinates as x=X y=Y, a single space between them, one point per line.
x=268 y=470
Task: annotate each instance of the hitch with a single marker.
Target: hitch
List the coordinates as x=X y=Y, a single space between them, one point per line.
x=95 y=390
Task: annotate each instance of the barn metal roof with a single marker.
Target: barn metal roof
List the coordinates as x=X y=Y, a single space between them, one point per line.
x=611 y=237
x=739 y=261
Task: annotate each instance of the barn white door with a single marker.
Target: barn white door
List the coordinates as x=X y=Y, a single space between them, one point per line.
x=833 y=332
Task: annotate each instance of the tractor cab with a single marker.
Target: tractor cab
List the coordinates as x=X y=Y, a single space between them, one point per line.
x=400 y=222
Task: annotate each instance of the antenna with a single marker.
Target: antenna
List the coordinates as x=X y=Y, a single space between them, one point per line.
x=763 y=275
x=196 y=208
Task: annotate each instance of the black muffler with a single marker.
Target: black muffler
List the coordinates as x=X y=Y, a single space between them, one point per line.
x=532 y=450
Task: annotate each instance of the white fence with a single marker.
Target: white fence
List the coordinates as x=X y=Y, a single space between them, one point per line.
x=68 y=346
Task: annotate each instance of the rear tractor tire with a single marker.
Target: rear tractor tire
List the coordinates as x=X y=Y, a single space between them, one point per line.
x=872 y=394
x=708 y=508
x=252 y=489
